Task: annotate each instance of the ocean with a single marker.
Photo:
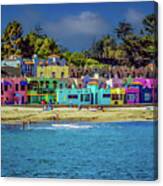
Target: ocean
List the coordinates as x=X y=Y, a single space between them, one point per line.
x=80 y=150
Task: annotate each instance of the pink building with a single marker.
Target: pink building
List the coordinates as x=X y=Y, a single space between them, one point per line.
x=13 y=91
x=132 y=95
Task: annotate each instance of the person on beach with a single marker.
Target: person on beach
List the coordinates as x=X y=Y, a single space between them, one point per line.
x=102 y=108
x=43 y=102
x=26 y=123
x=56 y=116
x=50 y=105
x=79 y=106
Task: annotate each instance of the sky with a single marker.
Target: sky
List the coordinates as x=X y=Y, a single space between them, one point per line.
x=76 y=26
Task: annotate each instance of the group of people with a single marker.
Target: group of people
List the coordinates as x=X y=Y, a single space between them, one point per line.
x=47 y=106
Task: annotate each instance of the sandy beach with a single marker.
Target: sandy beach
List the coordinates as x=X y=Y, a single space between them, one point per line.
x=20 y=115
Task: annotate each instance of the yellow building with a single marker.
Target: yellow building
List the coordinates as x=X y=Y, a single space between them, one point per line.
x=54 y=67
x=53 y=71
x=117 y=96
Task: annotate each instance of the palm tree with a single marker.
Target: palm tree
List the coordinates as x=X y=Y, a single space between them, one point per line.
x=123 y=30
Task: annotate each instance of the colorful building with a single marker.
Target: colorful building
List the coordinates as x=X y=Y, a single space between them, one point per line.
x=74 y=96
x=54 y=67
x=13 y=91
x=132 y=95
x=29 y=67
x=148 y=89
x=41 y=89
x=117 y=96
x=53 y=71
x=73 y=91
x=78 y=94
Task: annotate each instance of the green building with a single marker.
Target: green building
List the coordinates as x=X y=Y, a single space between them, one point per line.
x=41 y=89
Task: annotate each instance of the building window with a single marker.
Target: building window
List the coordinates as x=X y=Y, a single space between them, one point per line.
x=53 y=74
x=22 y=99
x=29 y=86
x=17 y=87
x=62 y=74
x=60 y=86
x=115 y=96
x=106 y=95
x=6 y=88
x=120 y=96
x=41 y=83
x=80 y=85
x=85 y=97
x=131 y=97
x=69 y=86
x=29 y=99
x=147 y=96
x=54 y=84
x=41 y=74
x=22 y=87
x=72 y=96
x=47 y=84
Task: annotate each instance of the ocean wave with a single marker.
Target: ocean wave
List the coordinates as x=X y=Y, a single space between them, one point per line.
x=59 y=126
x=73 y=126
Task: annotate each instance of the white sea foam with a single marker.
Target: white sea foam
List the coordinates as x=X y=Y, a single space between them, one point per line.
x=40 y=128
x=59 y=126
x=74 y=126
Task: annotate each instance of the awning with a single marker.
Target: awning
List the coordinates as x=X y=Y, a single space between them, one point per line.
x=23 y=83
x=7 y=83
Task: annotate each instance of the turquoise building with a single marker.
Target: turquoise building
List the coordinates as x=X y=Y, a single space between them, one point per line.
x=90 y=95
x=99 y=96
x=74 y=96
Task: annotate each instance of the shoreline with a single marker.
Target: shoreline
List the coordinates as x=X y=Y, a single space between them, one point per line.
x=75 y=121
x=25 y=115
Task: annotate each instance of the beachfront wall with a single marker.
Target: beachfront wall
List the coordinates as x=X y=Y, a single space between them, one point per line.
x=117 y=96
x=53 y=71
x=132 y=95
x=13 y=91
x=41 y=89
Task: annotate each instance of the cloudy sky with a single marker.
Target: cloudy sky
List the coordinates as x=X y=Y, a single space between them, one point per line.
x=76 y=26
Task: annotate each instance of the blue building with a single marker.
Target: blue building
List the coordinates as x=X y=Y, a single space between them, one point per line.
x=29 y=68
x=145 y=93
x=90 y=95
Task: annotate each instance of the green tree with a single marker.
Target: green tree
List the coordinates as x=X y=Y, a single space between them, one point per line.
x=12 y=39
x=124 y=30
x=41 y=45
x=150 y=24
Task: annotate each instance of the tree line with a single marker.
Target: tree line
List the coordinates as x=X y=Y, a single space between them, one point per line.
x=126 y=47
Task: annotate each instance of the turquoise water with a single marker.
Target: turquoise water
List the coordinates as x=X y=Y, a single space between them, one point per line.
x=123 y=150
